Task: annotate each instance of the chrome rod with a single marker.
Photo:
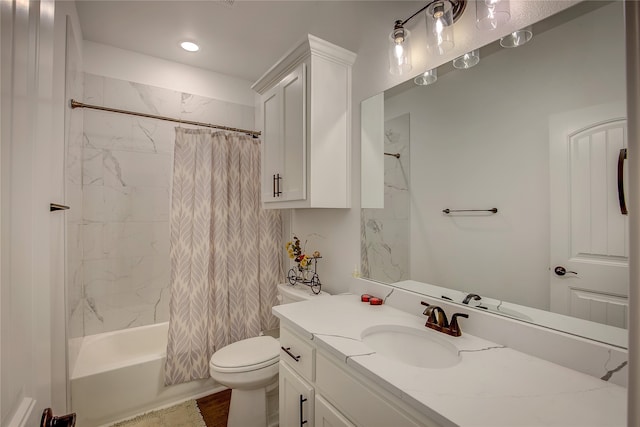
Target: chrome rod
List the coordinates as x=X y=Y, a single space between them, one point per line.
x=448 y=211
x=76 y=104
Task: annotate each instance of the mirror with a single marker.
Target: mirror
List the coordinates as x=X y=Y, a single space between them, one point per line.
x=536 y=133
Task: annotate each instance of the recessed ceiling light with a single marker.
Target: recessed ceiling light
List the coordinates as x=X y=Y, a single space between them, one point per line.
x=190 y=46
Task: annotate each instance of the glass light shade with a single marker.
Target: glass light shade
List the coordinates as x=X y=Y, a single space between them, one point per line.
x=439 y=18
x=399 y=51
x=517 y=38
x=468 y=60
x=491 y=14
x=427 y=78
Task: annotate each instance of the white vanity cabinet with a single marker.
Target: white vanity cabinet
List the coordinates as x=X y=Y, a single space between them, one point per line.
x=305 y=116
x=296 y=399
x=318 y=389
x=328 y=416
x=297 y=372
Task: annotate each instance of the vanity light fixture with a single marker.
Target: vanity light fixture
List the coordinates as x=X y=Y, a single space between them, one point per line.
x=468 y=60
x=440 y=17
x=427 y=78
x=517 y=38
x=189 y=46
x=491 y=14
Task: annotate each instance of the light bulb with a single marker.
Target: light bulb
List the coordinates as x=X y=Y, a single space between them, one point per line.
x=439 y=20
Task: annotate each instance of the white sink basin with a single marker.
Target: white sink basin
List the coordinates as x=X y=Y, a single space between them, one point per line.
x=411 y=346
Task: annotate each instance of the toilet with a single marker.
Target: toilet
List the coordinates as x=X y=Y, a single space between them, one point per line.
x=250 y=368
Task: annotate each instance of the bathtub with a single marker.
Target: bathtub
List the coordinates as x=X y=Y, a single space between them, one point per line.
x=117 y=375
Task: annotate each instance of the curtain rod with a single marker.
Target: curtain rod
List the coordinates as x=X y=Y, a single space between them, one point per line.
x=76 y=104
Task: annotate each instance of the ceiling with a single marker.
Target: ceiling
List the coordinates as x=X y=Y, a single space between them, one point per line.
x=237 y=38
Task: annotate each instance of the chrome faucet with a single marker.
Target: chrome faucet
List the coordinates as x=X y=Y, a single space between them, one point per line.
x=437 y=320
x=469 y=297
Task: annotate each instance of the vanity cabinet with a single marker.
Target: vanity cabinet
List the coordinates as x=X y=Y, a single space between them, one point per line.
x=318 y=389
x=296 y=399
x=305 y=116
x=328 y=416
x=297 y=372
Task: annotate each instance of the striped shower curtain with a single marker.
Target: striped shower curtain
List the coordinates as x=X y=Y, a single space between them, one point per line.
x=225 y=250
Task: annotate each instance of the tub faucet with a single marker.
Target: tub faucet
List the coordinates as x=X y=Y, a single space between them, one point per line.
x=437 y=320
x=469 y=297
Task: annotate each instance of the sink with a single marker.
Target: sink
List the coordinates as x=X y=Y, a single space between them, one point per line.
x=411 y=346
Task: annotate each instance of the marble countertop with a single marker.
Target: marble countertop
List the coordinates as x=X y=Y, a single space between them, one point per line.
x=492 y=385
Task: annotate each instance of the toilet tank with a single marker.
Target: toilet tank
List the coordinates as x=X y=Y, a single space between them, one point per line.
x=299 y=292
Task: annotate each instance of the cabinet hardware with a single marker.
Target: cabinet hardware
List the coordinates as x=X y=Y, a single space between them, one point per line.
x=287 y=350
x=302 y=400
x=276 y=185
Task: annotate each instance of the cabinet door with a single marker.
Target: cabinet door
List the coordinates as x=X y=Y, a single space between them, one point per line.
x=284 y=161
x=271 y=143
x=294 y=175
x=296 y=399
x=328 y=416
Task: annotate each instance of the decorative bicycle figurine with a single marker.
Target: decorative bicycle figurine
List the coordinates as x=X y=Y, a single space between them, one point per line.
x=299 y=274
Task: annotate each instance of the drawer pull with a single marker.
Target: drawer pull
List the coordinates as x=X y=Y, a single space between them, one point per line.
x=302 y=400
x=287 y=350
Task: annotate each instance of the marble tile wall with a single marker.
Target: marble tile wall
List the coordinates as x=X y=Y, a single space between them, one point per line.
x=386 y=231
x=73 y=188
x=126 y=177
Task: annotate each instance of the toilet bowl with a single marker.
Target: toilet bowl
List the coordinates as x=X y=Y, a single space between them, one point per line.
x=250 y=367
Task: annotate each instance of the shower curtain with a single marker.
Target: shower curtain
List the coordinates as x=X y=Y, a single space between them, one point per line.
x=225 y=250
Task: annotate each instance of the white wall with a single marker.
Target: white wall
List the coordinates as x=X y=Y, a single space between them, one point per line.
x=500 y=156
x=334 y=232
x=121 y=64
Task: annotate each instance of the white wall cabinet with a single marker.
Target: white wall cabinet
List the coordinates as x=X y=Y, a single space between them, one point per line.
x=318 y=389
x=305 y=117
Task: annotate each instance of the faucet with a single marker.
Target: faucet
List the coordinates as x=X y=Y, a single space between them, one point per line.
x=469 y=297
x=437 y=320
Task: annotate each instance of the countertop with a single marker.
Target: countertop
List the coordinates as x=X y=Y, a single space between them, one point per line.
x=492 y=385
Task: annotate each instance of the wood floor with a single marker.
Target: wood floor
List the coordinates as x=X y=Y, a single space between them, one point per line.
x=215 y=408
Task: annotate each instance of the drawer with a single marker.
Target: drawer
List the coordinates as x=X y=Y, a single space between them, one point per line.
x=359 y=402
x=298 y=353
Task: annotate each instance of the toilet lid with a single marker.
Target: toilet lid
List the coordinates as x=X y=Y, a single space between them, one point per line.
x=246 y=355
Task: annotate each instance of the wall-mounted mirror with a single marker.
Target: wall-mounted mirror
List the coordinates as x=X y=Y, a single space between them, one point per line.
x=537 y=133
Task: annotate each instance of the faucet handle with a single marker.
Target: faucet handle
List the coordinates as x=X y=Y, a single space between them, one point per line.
x=425 y=312
x=454 y=327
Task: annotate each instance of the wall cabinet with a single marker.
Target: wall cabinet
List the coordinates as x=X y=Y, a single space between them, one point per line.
x=305 y=117
x=318 y=389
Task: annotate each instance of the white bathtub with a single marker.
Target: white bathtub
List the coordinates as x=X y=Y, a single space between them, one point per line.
x=120 y=374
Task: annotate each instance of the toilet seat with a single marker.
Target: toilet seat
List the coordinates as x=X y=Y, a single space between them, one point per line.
x=246 y=355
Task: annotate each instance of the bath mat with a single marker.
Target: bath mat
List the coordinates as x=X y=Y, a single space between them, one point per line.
x=185 y=414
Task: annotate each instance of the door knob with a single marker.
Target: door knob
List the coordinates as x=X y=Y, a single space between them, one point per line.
x=561 y=271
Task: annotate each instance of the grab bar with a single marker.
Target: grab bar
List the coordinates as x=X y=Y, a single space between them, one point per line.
x=448 y=211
